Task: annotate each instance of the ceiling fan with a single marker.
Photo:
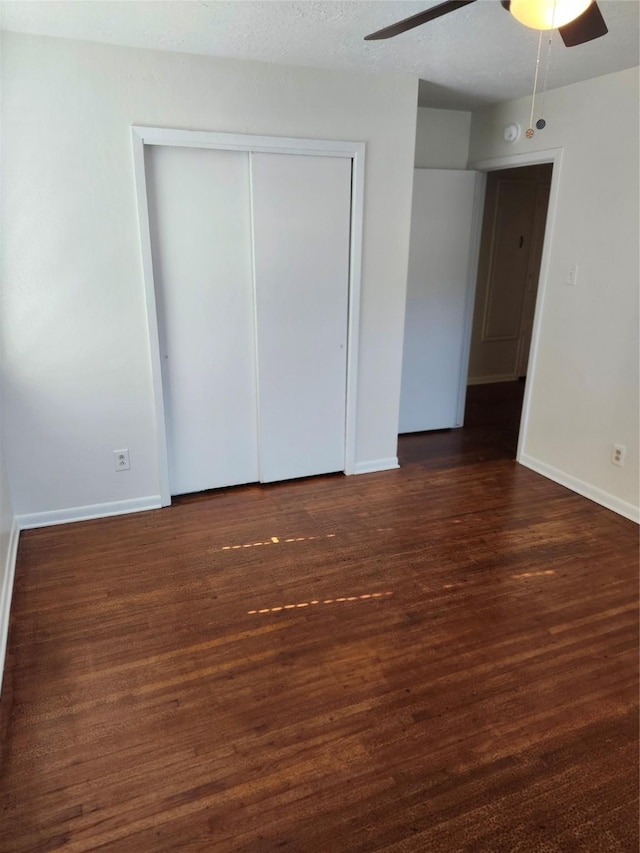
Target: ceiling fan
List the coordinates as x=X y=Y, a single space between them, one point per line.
x=577 y=21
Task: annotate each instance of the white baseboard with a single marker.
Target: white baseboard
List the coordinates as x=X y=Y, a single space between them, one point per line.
x=84 y=513
x=6 y=593
x=489 y=380
x=595 y=494
x=373 y=465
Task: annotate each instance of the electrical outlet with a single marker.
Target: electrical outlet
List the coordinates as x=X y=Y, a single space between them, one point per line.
x=572 y=275
x=122 y=460
x=617 y=454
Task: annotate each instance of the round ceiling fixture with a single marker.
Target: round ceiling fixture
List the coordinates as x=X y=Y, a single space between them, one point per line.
x=547 y=14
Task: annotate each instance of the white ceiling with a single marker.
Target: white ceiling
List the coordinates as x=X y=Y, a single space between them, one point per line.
x=472 y=57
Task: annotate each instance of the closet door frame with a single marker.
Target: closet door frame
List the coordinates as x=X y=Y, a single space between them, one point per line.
x=355 y=151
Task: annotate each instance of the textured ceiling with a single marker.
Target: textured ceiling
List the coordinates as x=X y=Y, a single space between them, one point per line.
x=472 y=57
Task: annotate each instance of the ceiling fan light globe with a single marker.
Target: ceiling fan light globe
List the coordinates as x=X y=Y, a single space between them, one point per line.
x=547 y=14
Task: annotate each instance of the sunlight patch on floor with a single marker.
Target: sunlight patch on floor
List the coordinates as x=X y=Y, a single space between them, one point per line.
x=534 y=574
x=301 y=604
x=275 y=540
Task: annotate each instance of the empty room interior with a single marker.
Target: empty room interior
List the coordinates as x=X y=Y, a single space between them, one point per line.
x=319 y=434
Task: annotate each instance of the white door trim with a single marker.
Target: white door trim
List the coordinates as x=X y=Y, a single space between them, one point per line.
x=553 y=156
x=142 y=136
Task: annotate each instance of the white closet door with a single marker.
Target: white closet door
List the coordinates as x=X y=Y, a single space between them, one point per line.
x=301 y=216
x=437 y=291
x=200 y=218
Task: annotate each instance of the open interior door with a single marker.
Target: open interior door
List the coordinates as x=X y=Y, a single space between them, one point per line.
x=445 y=227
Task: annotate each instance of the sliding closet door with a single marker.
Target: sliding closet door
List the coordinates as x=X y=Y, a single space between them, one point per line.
x=301 y=217
x=200 y=219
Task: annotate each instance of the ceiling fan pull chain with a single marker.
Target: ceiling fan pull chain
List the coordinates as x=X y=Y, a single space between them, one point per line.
x=530 y=132
x=541 y=123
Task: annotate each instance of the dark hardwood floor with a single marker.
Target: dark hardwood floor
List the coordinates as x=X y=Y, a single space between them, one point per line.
x=439 y=658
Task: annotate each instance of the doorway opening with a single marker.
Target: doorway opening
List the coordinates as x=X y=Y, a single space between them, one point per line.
x=511 y=243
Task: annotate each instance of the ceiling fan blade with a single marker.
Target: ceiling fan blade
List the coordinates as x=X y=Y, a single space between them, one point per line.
x=416 y=20
x=590 y=25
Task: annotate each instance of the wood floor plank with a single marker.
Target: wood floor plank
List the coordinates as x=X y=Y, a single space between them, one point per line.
x=440 y=658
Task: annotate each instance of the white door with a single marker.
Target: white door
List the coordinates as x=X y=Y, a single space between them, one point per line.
x=301 y=220
x=438 y=299
x=251 y=269
x=199 y=210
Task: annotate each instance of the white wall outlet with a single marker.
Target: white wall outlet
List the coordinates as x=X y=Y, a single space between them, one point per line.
x=618 y=452
x=572 y=275
x=122 y=460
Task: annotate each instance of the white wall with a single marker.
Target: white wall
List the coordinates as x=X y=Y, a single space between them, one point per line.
x=76 y=348
x=442 y=139
x=8 y=548
x=6 y=517
x=584 y=390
